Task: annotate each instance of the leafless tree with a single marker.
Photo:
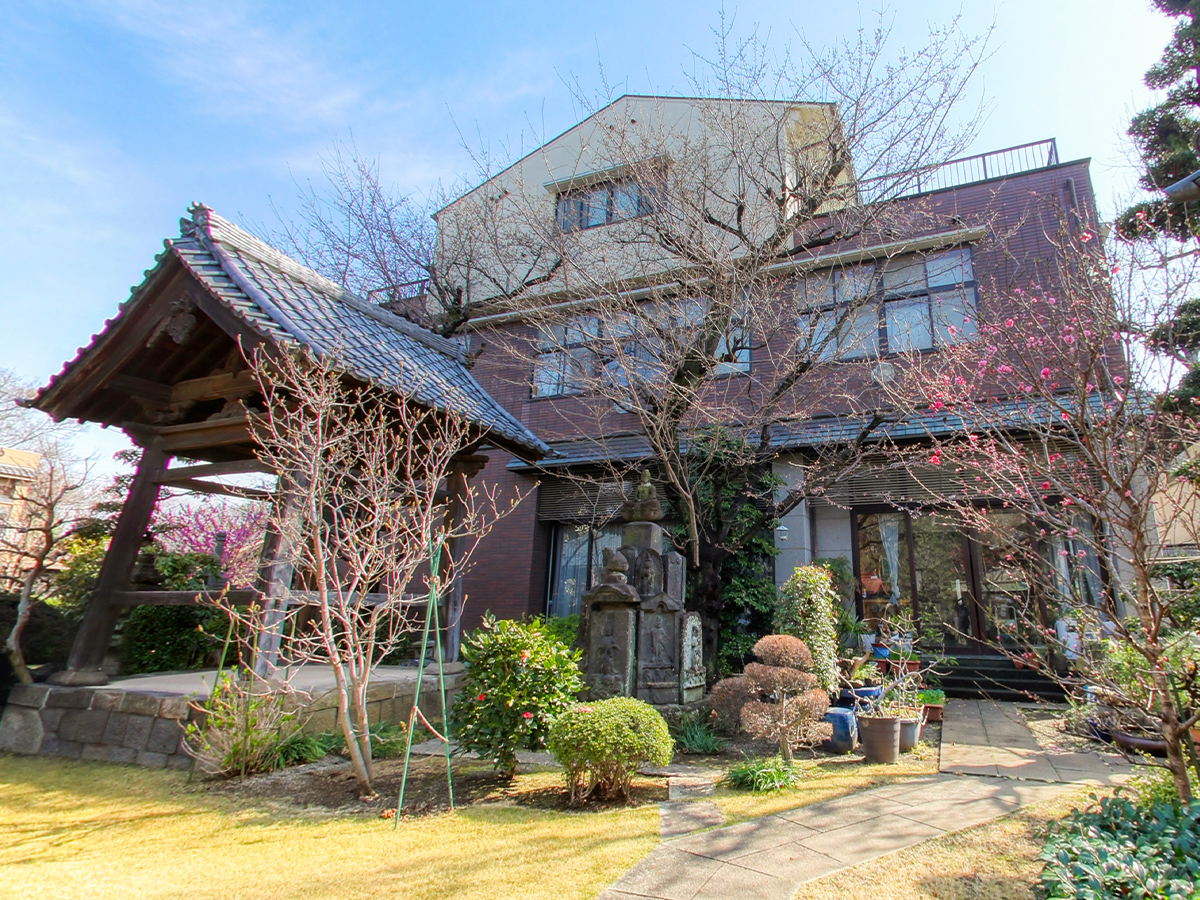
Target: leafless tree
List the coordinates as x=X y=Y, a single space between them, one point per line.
x=45 y=511
x=364 y=477
x=1072 y=433
x=686 y=318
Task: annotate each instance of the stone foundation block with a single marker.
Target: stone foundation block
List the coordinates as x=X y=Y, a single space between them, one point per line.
x=52 y=745
x=51 y=719
x=95 y=753
x=70 y=698
x=151 y=760
x=83 y=725
x=31 y=695
x=109 y=700
x=141 y=704
x=121 y=754
x=319 y=721
x=137 y=731
x=164 y=737
x=21 y=730
x=179 y=760
x=114 y=731
x=174 y=708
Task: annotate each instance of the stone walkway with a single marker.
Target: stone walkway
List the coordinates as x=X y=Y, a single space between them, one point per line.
x=771 y=857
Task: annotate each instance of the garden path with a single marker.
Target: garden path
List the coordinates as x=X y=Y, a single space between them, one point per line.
x=771 y=857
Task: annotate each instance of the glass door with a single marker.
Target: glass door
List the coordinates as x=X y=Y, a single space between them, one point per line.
x=1011 y=615
x=884 y=571
x=948 y=614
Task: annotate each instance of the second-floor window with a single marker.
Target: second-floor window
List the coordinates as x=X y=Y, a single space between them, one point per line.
x=907 y=303
x=603 y=204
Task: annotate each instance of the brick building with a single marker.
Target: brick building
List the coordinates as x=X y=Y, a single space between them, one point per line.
x=977 y=227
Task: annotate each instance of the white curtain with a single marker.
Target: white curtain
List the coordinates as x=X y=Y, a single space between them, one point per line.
x=889 y=536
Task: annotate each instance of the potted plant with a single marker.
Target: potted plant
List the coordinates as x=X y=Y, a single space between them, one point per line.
x=933 y=701
x=879 y=735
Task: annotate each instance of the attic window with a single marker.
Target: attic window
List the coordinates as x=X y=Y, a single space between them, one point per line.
x=602 y=204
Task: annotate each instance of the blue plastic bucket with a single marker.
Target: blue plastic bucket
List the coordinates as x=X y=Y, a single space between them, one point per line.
x=845 y=731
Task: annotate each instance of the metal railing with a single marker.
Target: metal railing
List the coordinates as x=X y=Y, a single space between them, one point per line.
x=963 y=171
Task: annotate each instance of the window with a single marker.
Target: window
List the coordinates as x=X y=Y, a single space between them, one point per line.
x=603 y=204
x=567 y=357
x=910 y=303
x=576 y=563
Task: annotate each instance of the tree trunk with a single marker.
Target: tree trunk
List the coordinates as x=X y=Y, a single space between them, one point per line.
x=708 y=600
x=350 y=717
x=12 y=645
x=785 y=747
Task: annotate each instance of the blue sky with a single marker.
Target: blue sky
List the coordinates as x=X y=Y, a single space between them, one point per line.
x=115 y=115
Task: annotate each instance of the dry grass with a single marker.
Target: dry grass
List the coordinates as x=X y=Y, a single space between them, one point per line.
x=85 y=830
x=825 y=779
x=995 y=861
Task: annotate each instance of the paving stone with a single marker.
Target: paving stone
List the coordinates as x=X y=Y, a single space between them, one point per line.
x=137 y=731
x=668 y=874
x=164 y=736
x=745 y=884
x=744 y=838
x=823 y=817
x=680 y=787
x=83 y=725
x=793 y=862
x=151 y=760
x=69 y=698
x=867 y=840
x=684 y=817
x=949 y=815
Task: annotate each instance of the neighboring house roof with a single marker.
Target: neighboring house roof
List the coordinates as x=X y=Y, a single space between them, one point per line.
x=285 y=302
x=1015 y=416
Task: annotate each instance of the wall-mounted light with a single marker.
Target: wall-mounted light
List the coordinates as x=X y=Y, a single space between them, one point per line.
x=781 y=533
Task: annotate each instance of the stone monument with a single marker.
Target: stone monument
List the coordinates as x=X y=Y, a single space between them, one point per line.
x=660 y=662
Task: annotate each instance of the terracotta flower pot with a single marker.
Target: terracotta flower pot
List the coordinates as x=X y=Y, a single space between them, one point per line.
x=880 y=738
x=933 y=712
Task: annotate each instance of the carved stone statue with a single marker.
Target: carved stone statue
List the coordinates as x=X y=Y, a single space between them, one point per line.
x=645 y=506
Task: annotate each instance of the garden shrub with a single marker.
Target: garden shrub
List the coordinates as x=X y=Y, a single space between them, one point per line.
x=726 y=700
x=808 y=610
x=244 y=728
x=764 y=775
x=601 y=745
x=1124 y=849
x=793 y=713
x=167 y=638
x=518 y=679
x=694 y=735
x=564 y=629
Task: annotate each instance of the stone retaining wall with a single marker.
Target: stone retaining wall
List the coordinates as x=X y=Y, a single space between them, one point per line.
x=111 y=724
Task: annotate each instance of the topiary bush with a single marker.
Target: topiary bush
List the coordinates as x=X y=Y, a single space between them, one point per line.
x=601 y=745
x=808 y=610
x=518 y=680
x=726 y=700
x=1124 y=849
x=793 y=713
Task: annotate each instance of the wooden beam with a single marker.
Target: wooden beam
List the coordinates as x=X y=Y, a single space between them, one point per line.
x=214 y=387
x=209 y=470
x=141 y=388
x=223 y=490
x=210 y=433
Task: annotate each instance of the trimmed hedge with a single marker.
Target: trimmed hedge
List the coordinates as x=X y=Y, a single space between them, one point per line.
x=602 y=744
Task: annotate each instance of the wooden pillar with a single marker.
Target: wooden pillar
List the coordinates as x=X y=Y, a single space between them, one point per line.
x=276 y=569
x=96 y=630
x=461 y=469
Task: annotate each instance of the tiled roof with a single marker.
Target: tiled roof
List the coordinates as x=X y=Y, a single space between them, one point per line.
x=1012 y=415
x=287 y=303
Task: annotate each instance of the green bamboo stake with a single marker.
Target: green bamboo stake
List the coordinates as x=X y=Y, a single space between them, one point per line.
x=431 y=616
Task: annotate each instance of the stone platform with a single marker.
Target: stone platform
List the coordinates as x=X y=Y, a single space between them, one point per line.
x=142 y=719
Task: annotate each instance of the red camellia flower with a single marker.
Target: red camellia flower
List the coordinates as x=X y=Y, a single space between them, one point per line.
x=480 y=697
x=526 y=715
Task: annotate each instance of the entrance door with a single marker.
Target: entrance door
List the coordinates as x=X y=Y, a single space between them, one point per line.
x=946 y=602
x=1011 y=614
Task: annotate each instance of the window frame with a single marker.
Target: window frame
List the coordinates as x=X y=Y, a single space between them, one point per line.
x=880 y=297
x=572 y=200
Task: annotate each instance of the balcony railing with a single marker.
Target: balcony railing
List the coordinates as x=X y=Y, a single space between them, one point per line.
x=959 y=172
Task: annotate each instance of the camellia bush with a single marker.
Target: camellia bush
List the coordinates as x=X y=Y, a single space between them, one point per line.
x=601 y=745
x=518 y=679
x=807 y=610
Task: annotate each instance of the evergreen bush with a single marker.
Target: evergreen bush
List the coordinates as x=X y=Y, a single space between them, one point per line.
x=601 y=745
x=518 y=679
x=807 y=610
